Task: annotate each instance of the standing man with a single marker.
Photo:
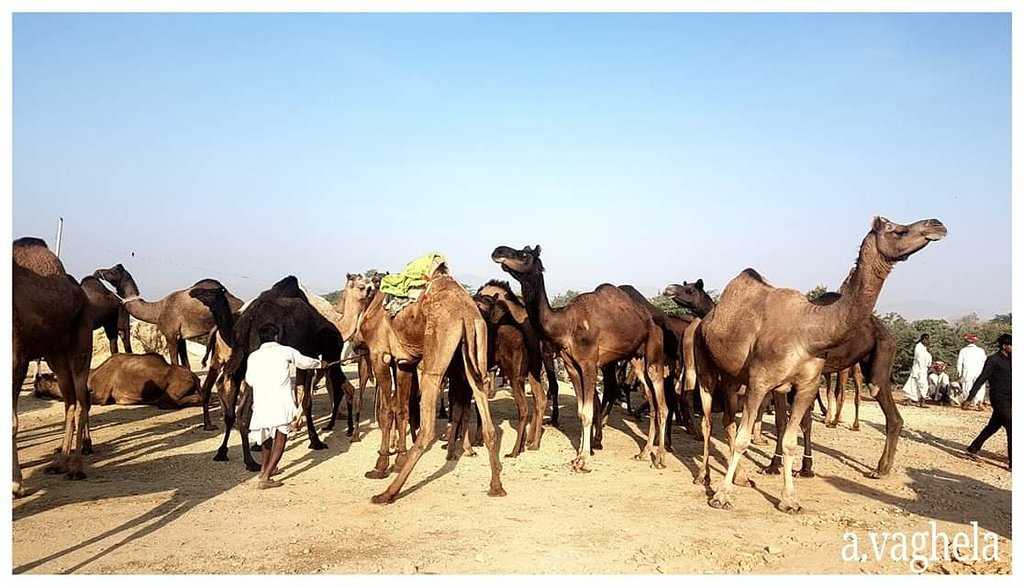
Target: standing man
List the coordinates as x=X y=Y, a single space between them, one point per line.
x=273 y=405
x=969 y=363
x=997 y=374
x=916 y=387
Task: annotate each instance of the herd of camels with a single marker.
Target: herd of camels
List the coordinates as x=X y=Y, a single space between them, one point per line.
x=758 y=339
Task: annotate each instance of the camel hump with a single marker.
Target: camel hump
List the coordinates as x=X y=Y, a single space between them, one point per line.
x=827 y=298
x=32 y=254
x=288 y=288
x=751 y=273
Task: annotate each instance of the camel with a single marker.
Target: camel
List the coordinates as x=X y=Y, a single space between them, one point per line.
x=773 y=339
x=507 y=350
x=301 y=327
x=593 y=332
x=51 y=320
x=178 y=316
x=869 y=345
x=673 y=328
x=107 y=313
x=127 y=379
x=423 y=342
x=538 y=356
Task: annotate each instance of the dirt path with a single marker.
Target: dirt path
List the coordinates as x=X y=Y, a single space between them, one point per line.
x=155 y=502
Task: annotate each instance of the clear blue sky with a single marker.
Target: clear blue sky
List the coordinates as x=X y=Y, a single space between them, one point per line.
x=640 y=149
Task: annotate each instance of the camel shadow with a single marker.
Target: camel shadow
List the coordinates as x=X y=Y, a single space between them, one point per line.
x=950 y=447
x=983 y=503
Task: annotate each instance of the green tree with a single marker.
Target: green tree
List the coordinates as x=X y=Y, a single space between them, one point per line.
x=564 y=298
x=816 y=292
x=665 y=304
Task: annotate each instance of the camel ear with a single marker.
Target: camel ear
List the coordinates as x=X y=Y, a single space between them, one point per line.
x=881 y=224
x=536 y=251
x=700 y=284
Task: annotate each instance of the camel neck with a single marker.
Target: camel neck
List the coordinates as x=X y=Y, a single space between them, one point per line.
x=704 y=307
x=224 y=319
x=548 y=321
x=145 y=311
x=127 y=288
x=859 y=291
x=350 y=315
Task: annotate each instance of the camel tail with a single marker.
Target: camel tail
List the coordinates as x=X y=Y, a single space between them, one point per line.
x=476 y=352
x=689 y=362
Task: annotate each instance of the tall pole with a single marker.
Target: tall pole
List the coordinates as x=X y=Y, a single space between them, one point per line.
x=60 y=233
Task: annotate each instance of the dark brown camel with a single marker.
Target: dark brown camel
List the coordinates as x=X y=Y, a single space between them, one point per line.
x=506 y=350
x=592 y=333
x=178 y=316
x=127 y=379
x=837 y=396
x=51 y=321
x=107 y=313
x=540 y=357
x=301 y=326
x=423 y=342
x=773 y=339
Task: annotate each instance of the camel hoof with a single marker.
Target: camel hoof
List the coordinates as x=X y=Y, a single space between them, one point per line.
x=658 y=464
x=354 y=438
x=253 y=467
x=496 y=492
x=375 y=474
x=596 y=445
x=54 y=469
x=74 y=475
x=875 y=474
x=772 y=469
x=382 y=498
x=830 y=424
x=222 y=455
x=512 y=455
x=18 y=489
x=579 y=466
x=759 y=440
x=533 y=446
x=702 y=480
x=469 y=453
x=721 y=501
x=209 y=427
x=806 y=473
x=400 y=461
x=855 y=427
x=317 y=445
x=328 y=427
x=789 y=507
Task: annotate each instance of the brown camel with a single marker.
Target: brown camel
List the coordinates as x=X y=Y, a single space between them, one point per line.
x=593 y=332
x=107 y=313
x=178 y=316
x=127 y=379
x=421 y=342
x=774 y=339
x=506 y=348
x=539 y=357
x=51 y=320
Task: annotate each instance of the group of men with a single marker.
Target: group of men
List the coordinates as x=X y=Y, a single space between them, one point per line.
x=929 y=381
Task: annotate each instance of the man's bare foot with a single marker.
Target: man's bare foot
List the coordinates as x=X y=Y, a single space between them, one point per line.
x=269 y=483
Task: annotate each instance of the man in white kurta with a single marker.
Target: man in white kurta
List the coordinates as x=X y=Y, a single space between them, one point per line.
x=916 y=387
x=273 y=405
x=969 y=363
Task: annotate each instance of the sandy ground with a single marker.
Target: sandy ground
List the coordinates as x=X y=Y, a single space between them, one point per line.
x=155 y=502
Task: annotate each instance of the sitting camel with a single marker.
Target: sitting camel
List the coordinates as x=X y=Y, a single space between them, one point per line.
x=773 y=339
x=301 y=327
x=423 y=343
x=178 y=316
x=593 y=332
x=107 y=313
x=127 y=379
x=51 y=321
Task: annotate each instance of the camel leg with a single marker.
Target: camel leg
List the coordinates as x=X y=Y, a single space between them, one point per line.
x=205 y=391
x=585 y=408
x=385 y=407
x=61 y=368
x=807 y=467
x=552 y=381
x=228 y=404
x=830 y=394
x=305 y=381
x=404 y=382
x=364 y=377
x=781 y=420
x=729 y=422
x=758 y=438
x=111 y=332
x=183 y=354
x=518 y=385
x=490 y=436
x=172 y=348
x=722 y=498
x=244 y=417
x=858 y=381
x=124 y=325
x=610 y=394
x=893 y=427
x=536 y=429
x=20 y=372
x=802 y=401
x=652 y=423
x=704 y=473
x=655 y=377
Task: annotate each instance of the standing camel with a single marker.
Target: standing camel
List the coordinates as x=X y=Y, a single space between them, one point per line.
x=178 y=316
x=837 y=396
x=51 y=321
x=773 y=339
x=301 y=327
x=593 y=332
x=539 y=357
x=423 y=343
x=107 y=313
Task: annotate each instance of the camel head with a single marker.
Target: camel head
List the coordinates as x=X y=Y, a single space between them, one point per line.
x=895 y=242
x=357 y=294
x=518 y=262
x=690 y=295
x=214 y=298
x=116 y=276
x=492 y=308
